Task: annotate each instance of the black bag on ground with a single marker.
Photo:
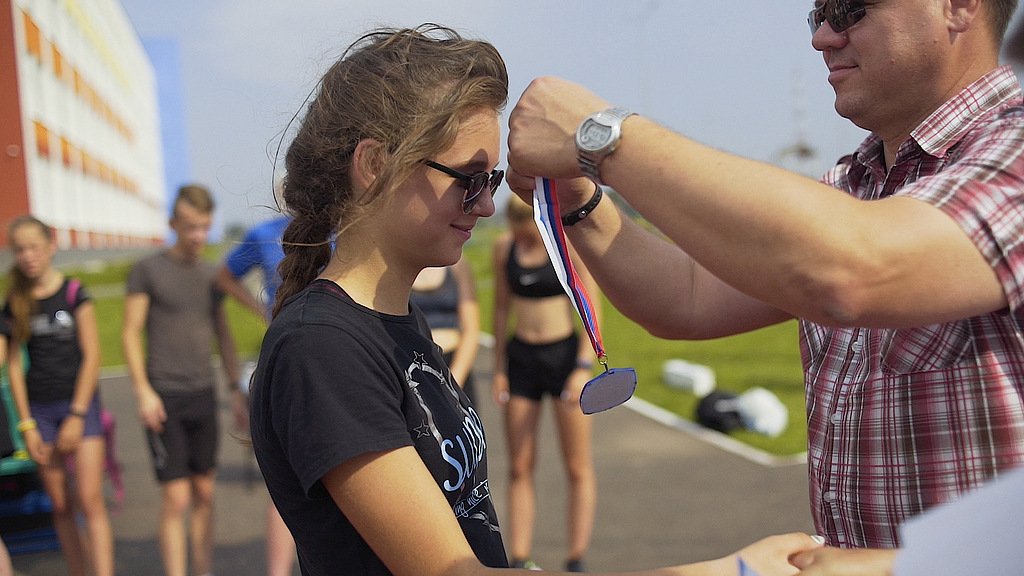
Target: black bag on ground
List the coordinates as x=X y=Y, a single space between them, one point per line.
x=718 y=411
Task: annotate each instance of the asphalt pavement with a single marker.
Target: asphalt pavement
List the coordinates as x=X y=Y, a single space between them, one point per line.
x=668 y=492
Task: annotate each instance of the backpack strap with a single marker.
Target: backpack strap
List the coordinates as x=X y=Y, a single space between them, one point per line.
x=73 y=285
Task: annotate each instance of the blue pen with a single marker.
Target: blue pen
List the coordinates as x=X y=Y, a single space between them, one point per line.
x=744 y=569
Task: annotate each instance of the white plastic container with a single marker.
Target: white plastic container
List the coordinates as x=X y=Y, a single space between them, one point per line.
x=683 y=375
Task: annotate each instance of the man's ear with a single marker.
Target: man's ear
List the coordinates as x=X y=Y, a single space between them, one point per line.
x=367 y=163
x=962 y=14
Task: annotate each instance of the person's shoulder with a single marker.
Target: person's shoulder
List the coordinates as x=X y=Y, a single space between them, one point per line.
x=1000 y=132
x=75 y=290
x=150 y=258
x=270 y=229
x=318 y=303
x=148 y=262
x=316 y=318
x=502 y=244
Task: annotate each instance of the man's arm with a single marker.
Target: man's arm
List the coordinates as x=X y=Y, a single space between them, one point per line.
x=652 y=281
x=233 y=286
x=229 y=358
x=789 y=241
x=803 y=246
x=226 y=345
x=150 y=406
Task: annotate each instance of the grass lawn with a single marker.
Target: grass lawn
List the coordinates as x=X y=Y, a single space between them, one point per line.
x=768 y=358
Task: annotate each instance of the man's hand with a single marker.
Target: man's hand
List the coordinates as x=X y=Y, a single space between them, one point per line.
x=151 y=410
x=771 y=556
x=766 y=557
x=542 y=127
x=572 y=194
x=844 y=562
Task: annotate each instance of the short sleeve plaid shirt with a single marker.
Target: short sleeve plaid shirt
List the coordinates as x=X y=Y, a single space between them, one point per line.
x=902 y=420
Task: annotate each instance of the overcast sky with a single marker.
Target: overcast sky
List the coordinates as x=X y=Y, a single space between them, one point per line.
x=738 y=75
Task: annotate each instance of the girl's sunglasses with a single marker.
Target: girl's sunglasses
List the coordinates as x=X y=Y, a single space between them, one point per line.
x=475 y=184
x=840 y=14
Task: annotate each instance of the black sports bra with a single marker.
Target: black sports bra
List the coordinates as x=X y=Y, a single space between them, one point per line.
x=537 y=282
x=440 y=305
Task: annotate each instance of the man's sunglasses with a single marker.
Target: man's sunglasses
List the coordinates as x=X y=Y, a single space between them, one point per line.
x=475 y=184
x=840 y=14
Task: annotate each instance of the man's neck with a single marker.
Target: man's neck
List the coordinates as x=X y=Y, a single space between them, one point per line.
x=179 y=254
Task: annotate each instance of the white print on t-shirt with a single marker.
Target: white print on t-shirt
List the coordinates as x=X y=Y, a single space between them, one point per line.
x=471 y=455
x=466 y=450
x=62 y=323
x=464 y=507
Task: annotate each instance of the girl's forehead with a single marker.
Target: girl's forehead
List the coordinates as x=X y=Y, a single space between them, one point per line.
x=28 y=232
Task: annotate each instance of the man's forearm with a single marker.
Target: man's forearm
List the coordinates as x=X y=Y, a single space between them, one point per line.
x=134 y=358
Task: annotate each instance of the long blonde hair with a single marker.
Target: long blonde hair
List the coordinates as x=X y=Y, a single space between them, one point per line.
x=19 y=292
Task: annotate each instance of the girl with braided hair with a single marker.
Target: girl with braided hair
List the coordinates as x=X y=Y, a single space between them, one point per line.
x=372 y=453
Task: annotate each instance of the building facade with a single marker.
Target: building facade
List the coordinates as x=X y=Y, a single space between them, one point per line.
x=79 y=124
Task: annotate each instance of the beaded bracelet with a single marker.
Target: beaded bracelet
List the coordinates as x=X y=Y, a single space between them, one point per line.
x=26 y=425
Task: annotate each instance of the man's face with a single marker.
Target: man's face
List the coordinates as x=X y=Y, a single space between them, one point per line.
x=890 y=69
x=192 y=227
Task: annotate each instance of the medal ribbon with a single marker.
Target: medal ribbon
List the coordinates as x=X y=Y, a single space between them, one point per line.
x=549 y=221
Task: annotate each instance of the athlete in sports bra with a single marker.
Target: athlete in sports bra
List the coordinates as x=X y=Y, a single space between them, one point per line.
x=447 y=297
x=538 y=353
x=531 y=281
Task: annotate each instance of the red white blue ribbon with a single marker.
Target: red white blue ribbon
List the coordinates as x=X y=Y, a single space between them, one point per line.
x=549 y=220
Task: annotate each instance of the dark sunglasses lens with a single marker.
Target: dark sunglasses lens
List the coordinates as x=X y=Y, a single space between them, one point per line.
x=840 y=14
x=476 y=187
x=481 y=181
x=608 y=390
x=844 y=14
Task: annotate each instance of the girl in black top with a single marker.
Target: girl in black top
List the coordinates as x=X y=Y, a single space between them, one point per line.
x=53 y=319
x=373 y=455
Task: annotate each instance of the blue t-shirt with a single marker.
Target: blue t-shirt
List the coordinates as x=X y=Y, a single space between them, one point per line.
x=261 y=247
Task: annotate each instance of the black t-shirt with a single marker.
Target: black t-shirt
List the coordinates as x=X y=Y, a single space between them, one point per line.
x=336 y=380
x=54 y=355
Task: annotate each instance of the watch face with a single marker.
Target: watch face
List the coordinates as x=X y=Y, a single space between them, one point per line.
x=594 y=136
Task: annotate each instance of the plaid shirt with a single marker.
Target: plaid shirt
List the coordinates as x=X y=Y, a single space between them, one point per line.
x=902 y=420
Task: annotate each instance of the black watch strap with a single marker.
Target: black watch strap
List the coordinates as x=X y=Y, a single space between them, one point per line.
x=574 y=217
